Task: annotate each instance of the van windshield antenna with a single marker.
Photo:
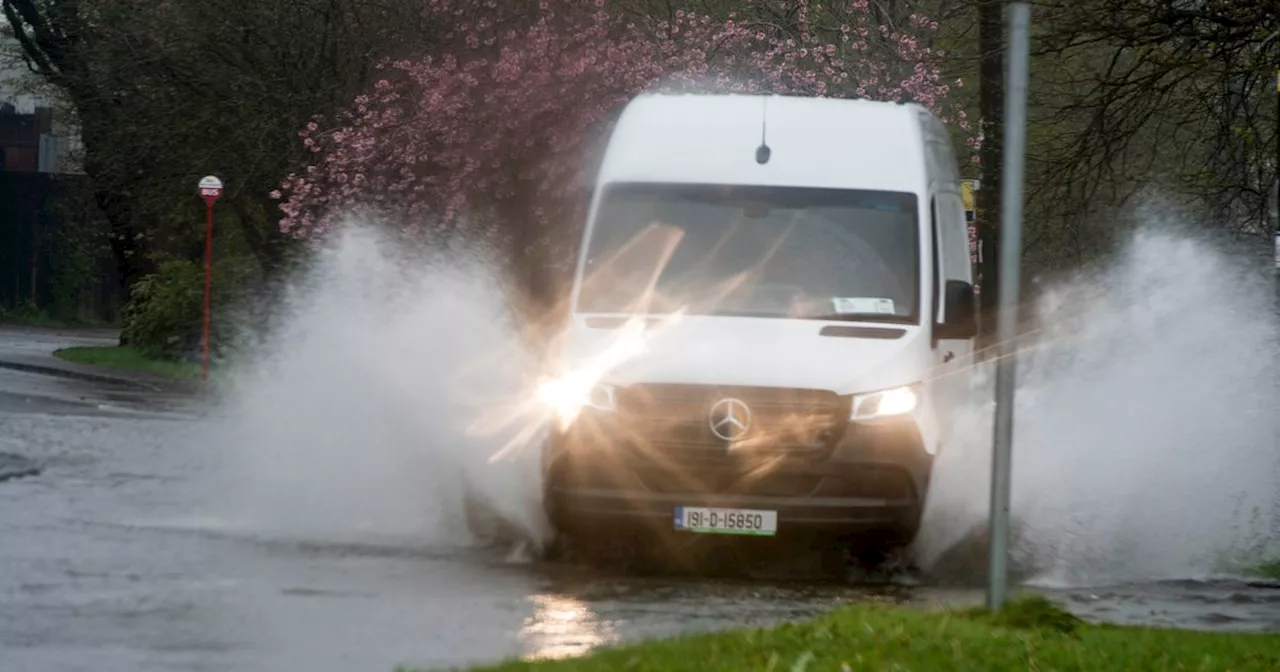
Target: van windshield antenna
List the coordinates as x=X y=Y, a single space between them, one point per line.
x=763 y=151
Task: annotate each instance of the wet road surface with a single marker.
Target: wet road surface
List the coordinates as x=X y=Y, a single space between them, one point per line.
x=110 y=561
x=109 y=566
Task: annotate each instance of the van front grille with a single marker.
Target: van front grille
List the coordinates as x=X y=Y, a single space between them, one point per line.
x=676 y=420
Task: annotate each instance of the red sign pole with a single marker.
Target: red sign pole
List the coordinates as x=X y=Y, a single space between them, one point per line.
x=210 y=189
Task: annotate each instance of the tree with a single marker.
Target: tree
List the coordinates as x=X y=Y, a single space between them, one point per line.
x=497 y=137
x=55 y=39
x=1177 y=95
x=991 y=122
x=166 y=92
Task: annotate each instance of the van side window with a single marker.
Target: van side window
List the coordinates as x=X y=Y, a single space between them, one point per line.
x=937 y=258
x=955 y=240
x=950 y=246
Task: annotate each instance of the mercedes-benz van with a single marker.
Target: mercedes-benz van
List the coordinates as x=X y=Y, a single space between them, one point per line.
x=772 y=307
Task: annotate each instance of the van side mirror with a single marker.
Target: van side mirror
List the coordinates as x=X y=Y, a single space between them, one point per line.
x=961 y=321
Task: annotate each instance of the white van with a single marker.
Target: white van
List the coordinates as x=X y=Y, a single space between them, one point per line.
x=772 y=304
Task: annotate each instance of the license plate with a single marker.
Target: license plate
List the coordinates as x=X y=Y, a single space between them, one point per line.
x=726 y=521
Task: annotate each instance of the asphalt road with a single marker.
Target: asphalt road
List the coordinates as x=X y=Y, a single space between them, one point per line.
x=111 y=560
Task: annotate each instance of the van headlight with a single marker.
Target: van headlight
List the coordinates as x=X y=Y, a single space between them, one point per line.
x=569 y=394
x=896 y=402
x=602 y=397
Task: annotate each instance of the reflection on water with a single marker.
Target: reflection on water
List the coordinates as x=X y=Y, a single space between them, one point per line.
x=561 y=627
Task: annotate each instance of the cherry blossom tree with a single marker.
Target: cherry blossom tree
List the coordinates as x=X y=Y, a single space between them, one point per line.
x=501 y=131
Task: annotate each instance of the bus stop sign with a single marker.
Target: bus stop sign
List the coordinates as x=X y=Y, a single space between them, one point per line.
x=210 y=189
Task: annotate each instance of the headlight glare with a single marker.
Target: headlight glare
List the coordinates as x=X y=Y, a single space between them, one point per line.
x=602 y=397
x=885 y=404
x=569 y=394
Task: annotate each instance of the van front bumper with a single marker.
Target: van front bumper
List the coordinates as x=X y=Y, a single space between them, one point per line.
x=873 y=478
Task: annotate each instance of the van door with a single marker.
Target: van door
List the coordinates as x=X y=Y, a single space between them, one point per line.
x=952 y=358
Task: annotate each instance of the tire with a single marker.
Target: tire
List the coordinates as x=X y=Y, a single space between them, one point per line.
x=883 y=555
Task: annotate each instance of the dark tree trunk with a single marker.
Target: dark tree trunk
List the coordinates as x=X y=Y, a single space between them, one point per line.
x=128 y=243
x=129 y=246
x=987 y=198
x=132 y=261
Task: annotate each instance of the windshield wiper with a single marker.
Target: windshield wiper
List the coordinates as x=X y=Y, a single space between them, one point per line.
x=744 y=313
x=858 y=317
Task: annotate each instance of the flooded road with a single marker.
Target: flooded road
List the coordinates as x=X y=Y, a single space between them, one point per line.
x=112 y=559
x=110 y=565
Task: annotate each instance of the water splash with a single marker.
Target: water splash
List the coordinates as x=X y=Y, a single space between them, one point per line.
x=357 y=417
x=1146 y=438
x=1146 y=427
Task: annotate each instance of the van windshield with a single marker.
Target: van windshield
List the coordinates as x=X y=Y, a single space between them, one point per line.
x=785 y=252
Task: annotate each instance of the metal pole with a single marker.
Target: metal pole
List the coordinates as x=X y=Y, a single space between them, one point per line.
x=208 y=284
x=1015 y=132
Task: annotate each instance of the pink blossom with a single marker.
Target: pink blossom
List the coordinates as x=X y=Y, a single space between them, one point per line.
x=509 y=133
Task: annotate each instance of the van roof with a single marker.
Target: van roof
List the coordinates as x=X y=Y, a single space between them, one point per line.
x=814 y=142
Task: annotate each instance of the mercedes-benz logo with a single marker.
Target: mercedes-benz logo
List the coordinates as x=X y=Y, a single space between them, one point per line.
x=730 y=419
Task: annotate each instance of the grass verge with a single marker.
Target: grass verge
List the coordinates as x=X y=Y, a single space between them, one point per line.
x=1267 y=570
x=1030 y=634
x=129 y=359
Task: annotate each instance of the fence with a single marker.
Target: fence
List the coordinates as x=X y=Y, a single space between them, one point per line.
x=54 y=253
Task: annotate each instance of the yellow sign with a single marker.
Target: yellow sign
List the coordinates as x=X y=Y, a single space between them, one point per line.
x=967 y=187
